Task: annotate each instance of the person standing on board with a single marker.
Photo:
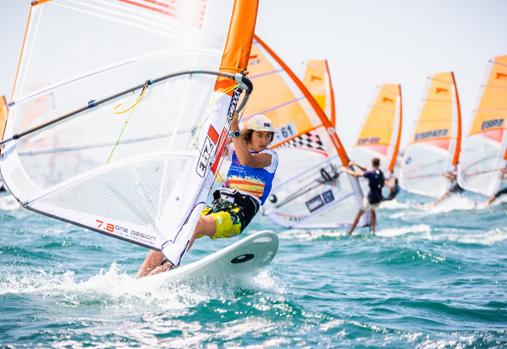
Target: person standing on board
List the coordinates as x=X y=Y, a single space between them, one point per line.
x=245 y=189
x=376 y=180
x=503 y=174
x=454 y=187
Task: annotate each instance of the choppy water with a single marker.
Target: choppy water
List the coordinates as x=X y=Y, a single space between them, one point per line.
x=432 y=278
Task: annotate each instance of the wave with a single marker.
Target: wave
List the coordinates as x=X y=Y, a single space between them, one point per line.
x=116 y=289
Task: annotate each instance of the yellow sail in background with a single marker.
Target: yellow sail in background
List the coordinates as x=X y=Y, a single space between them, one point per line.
x=485 y=147
x=3 y=115
x=381 y=132
x=490 y=116
x=317 y=79
x=436 y=143
x=440 y=113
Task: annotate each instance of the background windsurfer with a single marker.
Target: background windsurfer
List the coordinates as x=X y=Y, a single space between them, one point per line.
x=454 y=187
x=245 y=189
x=503 y=174
x=375 y=178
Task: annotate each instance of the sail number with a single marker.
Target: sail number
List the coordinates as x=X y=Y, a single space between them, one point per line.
x=284 y=132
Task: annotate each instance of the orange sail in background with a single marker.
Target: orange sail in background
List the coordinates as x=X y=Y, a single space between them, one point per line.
x=381 y=132
x=317 y=79
x=309 y=188
x=485 y=146
x=436 y=143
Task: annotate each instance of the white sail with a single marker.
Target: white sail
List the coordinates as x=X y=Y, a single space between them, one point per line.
x=435 y=146
x=119 y=109
x=484 y=150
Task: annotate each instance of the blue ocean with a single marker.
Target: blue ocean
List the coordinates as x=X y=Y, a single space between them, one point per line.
x=432 y=277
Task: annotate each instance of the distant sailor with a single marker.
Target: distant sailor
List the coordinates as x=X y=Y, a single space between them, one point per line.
x=392 y=184
x=454 y=187
x=503 y=176
x=245 y=189
x=376 y=180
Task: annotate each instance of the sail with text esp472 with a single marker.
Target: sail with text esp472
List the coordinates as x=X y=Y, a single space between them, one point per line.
x=435 y=146
x=485 y=147
x=309 y=189
x=120 y=109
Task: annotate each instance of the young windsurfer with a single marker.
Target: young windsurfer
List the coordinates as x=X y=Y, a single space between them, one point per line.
x=375 y=178
x=503 y=191
x=454 y=187
x=245 y=189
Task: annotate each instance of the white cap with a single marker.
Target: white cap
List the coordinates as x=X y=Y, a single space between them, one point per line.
x=259 y=122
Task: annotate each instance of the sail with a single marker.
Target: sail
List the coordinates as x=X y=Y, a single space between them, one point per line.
x=3 y=120
x=435 y=146
x=381 y=131
x=119 y=108
x=309 y=189
x=485 y=146
x=317 y=80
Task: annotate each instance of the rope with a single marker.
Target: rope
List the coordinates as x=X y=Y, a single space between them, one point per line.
x=119 y=112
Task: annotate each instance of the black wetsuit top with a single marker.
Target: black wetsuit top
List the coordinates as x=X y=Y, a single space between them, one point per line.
x=501 y=192
x=455 y=188
x=375 y=182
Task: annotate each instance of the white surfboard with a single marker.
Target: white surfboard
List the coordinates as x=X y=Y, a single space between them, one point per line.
x=245 y=256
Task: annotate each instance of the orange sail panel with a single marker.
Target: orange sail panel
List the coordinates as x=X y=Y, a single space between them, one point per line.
x=309 y=188
x=436 y=142
x=485 y=146
x=381 y=132
x=317 y=79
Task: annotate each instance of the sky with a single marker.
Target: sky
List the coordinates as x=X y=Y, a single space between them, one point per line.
x=366 y=42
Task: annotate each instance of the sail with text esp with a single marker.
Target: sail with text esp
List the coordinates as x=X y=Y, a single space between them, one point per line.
x=380 y=133
x=435 y=146
x=119 y=132
x=485 y=147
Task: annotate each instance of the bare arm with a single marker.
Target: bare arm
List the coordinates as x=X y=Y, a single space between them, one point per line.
x=359 y=173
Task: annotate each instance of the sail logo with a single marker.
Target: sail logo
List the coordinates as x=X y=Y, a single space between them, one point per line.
x=314 y=77
x=387 y=100
x=431 y=134
x=207 y=151
x=491 y=124
x=440 y=90
x=500 y=76
x=368 y=140
x=254 y=59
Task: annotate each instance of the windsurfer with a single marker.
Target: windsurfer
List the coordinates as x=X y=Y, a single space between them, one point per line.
x=375 y=178
x=392 y=184
x=454 y=187
x=245 y=189
x=503 y=174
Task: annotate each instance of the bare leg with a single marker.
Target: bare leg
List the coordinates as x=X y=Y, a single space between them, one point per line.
x=373 y=221
x=152 y=264
x=356 y=220
x=152 y=260
x=206 y=226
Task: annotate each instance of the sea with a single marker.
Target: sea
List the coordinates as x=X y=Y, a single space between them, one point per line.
x=432 y=277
